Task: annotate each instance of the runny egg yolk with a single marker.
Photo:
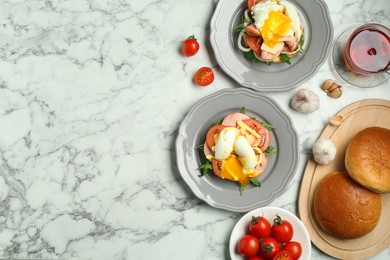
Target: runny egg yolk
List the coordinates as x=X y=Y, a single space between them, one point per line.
x=275 y=27
x=233 y=170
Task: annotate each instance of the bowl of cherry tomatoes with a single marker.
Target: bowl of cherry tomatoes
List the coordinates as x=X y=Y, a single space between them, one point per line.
x=269 y=233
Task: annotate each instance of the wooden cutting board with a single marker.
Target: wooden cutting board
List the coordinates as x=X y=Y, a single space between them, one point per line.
x=355 y=117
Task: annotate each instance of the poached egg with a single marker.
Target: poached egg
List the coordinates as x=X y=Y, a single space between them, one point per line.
x=277 y=21
x=237 y=155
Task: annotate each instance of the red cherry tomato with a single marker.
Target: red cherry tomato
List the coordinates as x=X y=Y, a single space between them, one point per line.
x=254 y=43
x=265 y=137
x=260 y=227
x=269 y=247
x=217 y=166
x=190 y=46
x=294 y=248
x=204 y=76
x=282 y=230
x=256 y=257
x=248 y=245
x=212 y=134
x=283 y=255
x=252 y=3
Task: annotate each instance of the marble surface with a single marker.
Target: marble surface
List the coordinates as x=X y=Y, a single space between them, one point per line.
x=91 y=96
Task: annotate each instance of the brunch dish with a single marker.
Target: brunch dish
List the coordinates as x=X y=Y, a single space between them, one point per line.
x=315 y=27
x=237 y=148
x=222 y=193
x=271 y=31
x=332 y=183
x=273 y=233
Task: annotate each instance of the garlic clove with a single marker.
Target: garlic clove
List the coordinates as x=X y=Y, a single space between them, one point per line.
x=305 y=101
x=332 y=88
x=336 y=120
x=324 y=151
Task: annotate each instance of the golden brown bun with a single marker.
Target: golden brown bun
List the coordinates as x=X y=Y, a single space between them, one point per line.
x=345 y=209
x=367 y=159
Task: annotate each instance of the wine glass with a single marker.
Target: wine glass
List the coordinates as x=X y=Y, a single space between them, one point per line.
x=361 y=54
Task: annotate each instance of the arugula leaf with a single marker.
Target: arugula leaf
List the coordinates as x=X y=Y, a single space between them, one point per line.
x=242 y=110
x=269 y=63
x=205 y=168
x=240 y=27
x=285 y=58
x=301 y=42
x=242 y=188
x=218 y=122
x=255 y=182
x=271 y=150
x=268 y=126
x=251 y=56
x=199 y=147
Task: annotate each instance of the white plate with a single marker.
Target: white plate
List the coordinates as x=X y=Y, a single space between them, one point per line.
x=300 y=233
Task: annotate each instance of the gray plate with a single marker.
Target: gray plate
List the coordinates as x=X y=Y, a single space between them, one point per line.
x=225 y=194
x=318 y=32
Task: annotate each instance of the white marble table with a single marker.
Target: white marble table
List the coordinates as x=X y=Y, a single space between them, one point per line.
x=91 y=96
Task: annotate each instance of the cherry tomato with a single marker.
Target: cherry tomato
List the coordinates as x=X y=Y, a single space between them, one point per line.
x=265 y=136
x=260 y=227
x=217 y=166
x=269 y=247
x=204 y=76
x=254 y=43
x=248 y=245
x=212 y=134
x=282 y=230
x=256 y=257
x=252 y=3
x=283 y=255
x=190 y=46
x=294 y=248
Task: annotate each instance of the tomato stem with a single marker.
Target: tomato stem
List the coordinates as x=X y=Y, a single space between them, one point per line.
x=278 y=220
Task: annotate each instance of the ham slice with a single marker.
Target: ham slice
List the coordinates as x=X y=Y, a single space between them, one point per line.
x=292 y=44
x=231 y=119
x=260 y=168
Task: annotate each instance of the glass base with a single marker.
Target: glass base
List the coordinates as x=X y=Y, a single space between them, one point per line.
x=345 y=74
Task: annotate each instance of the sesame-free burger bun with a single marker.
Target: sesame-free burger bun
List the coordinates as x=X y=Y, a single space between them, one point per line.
x=367 y=159
x=345 y=209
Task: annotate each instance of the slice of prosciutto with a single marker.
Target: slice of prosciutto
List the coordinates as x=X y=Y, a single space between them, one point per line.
x=231 y=119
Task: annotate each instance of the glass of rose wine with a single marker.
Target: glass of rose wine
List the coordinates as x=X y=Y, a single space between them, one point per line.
x=361 y=55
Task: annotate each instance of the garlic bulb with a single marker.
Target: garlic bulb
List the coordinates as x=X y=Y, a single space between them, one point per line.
x=305 y=101
x=324 y=151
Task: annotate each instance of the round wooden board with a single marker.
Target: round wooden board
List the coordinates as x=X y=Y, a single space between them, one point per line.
x=355 y=117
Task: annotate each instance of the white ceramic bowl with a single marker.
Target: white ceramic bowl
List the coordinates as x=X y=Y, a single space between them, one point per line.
x=241 y=228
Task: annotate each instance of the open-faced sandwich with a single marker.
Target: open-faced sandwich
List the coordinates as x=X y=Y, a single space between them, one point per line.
x=271 y=31
x=237 y=149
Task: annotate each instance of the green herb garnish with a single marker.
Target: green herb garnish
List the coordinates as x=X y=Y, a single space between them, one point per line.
x=199 y=147
x=242 y=110
x=218 y=122
x=271 y=150
x=251 y=56
x=205 y=168
x=301 y=42
x=268 y=126
x=242 y=188
x=285 y=58
x=240 y=27
x=255 y=182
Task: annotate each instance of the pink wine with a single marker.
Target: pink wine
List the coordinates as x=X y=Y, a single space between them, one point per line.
x=368 y=51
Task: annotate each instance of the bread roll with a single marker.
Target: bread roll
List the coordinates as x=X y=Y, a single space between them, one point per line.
x=345 y=209
x=367 y=159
